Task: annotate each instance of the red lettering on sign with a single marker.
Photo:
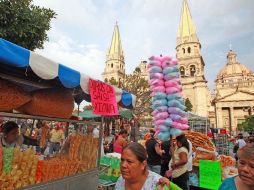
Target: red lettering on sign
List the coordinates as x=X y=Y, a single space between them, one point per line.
x=103 y=98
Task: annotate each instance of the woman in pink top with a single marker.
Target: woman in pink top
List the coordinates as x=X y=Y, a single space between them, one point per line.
x=120 y=141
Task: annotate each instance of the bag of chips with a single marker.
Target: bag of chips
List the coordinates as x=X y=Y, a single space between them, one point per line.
x=51 y=103
x=12 y=96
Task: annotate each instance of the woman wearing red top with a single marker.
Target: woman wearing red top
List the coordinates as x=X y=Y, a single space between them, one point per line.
x=121 y=141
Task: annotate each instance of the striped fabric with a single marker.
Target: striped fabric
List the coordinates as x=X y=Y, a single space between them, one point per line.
x=16 y=56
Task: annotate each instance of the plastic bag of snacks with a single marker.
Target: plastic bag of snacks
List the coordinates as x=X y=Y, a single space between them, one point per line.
x=52 y=103
x=7 y=159
x=227 y=161
x=203 y=154
x=12 y=96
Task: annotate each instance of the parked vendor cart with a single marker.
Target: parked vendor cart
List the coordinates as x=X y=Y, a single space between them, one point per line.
x=34 y=87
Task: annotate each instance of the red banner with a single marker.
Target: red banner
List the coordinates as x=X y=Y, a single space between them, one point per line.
x=223 y=131
x=103 y=98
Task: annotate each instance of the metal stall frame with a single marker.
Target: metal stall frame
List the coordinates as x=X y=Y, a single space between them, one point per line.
x=86 y=180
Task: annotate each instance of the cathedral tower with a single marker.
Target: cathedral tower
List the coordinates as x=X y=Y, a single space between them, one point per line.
x=115 y=66
x=191 y=64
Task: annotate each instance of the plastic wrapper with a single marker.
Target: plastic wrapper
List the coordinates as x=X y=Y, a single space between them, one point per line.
x=23 y=167
x=39 y=171
x=203 y=154
x=227 y=161
x=51 y=103
x=12 y=96
x=7 y=159
x=82 y=148
x=229 y=171
x=44 y=134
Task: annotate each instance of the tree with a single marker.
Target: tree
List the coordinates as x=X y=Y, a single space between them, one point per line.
x=23 y=23
x=113 y=81
x=248 y=124
x=137 y=85
x=188 y=105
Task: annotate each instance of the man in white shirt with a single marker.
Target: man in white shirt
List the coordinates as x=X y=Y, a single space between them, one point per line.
x=240 y=142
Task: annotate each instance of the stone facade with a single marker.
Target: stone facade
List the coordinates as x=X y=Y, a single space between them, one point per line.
x=234 y=98
x=143 y=69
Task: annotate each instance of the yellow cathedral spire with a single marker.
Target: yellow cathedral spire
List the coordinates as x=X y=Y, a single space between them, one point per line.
x=187 y=30
x=116 y=45
x=114 y=71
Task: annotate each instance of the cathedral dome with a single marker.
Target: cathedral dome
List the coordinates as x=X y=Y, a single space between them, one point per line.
x=233 y=68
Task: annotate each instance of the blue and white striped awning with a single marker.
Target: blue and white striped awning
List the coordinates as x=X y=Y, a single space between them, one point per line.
x=16 y=56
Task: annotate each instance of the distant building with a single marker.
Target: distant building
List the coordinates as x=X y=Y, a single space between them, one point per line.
x=234 y=98
x=143 y=69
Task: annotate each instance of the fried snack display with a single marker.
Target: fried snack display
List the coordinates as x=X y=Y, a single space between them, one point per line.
x=75 y=142
x=51 y=103
x=88 y=152
x=44 y=134
x=227 y=161
x=23 y=170
x=199 y=140
x=56 y=168
x=203 y=154
x=12 y=96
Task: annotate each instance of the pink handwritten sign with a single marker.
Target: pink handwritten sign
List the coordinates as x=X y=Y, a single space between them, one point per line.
x=103 y=98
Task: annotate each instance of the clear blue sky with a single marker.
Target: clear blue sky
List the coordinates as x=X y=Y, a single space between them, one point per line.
x=81 y=33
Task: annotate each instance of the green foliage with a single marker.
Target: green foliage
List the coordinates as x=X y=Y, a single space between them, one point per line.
x=137 y=70
x=135 y=84
x=112 y=81
x=188 y=105
x=23 y=23
x=248 y=125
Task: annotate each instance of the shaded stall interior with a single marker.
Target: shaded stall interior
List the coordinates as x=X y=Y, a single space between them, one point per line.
x=29 y=81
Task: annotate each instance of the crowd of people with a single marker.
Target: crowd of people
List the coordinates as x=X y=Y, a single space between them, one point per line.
x=28 y=135
x=144 y=167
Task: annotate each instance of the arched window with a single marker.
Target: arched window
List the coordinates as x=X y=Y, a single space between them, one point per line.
x=192 y=70
x=189 y=50
x=183 y=50
x=182 y=71
x=112 y=65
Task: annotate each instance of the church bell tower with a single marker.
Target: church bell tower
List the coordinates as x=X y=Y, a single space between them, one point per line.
x=191 y=64
x=114 y=70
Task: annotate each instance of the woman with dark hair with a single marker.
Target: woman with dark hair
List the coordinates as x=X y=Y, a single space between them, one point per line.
x=121 y=141
x=10 y=137
x=245 y=178
x=135 y=175
x=179 y=162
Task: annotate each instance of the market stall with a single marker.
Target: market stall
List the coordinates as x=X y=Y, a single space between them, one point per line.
x=34 y=87
x=210 y=167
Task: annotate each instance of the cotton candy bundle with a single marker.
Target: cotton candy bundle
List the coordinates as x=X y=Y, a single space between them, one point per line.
x=175 y=104
x=161 y=119
x=168 y=106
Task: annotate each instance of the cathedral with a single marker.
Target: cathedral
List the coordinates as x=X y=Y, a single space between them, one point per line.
x=233 y=99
